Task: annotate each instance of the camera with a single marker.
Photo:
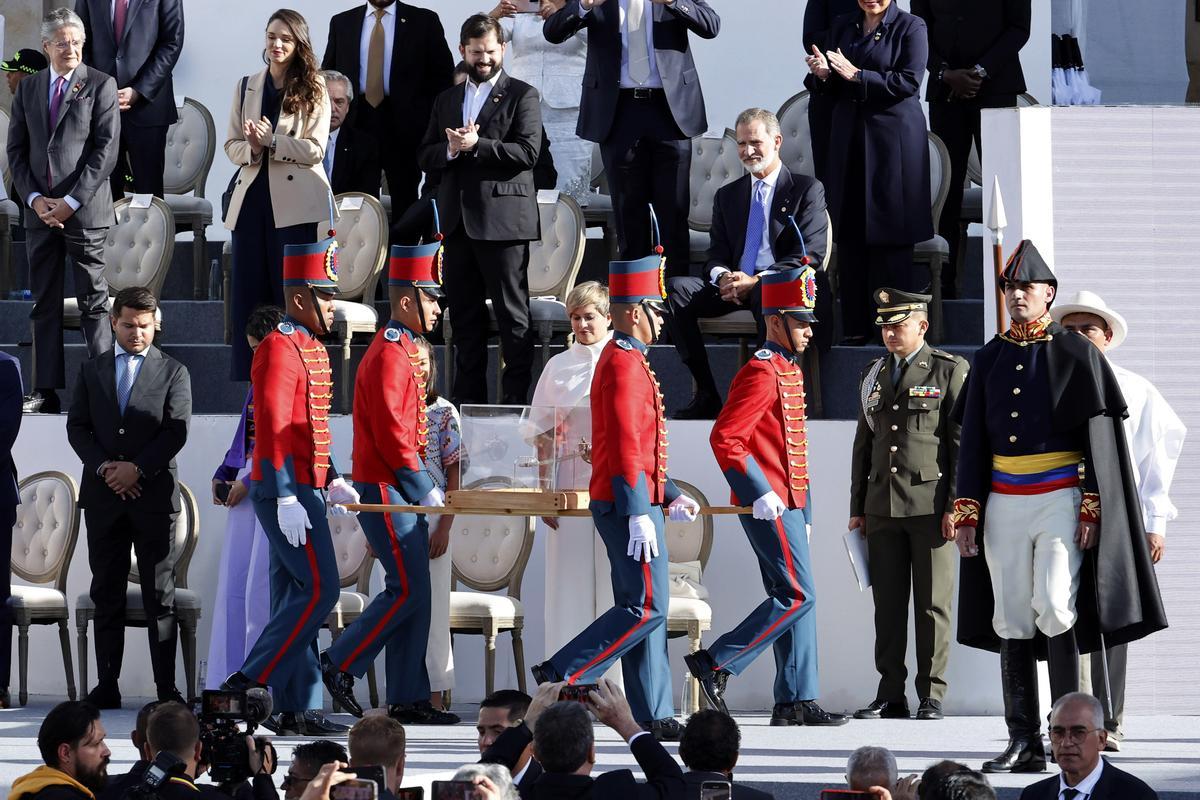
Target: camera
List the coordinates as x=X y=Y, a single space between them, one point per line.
x=355 y=790
x=716 y=790
x=576 y=693
x=160 y=770
x=223 y=741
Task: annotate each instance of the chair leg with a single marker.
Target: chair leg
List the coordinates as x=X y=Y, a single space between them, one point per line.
x=518 y=646
x=936 y=316
x=489 y=663
x=187 y=640
x=64 y=641
x=81 y=647
x=199 y=262
x=23 y=655
x=693 y=684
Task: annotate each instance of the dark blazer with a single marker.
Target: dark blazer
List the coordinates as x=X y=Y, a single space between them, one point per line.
x=150 y=433
x=740 y=792
x=1114 y=784
x=144 y=58
x=355 y=163
x=422 y=66
x=819 y=16
x=797 y=195
x=879 y=119
x=10 y=425
x=81 y=150
x=602 y=75
x=489 y=189
x=963 y=33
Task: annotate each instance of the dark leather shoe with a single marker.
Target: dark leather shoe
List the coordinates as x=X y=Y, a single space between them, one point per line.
x=169 y=694
x=805 y=712
x=105 y=698
x=665 y=730
x=238 y=682
x=703 y=406
x=340 y=686
x=712 y=681
x=284 y=724
x=884 y=709
x=544 y=673
x=422 y=713
x=1023 y=754
x=41 y=401
x=315 y=723
x=930 y=709
x=5 y=699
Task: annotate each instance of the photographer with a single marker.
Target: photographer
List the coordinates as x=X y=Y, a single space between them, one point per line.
x=117 y=784
x=71 y=743
x=378 y=741
x=309 y=761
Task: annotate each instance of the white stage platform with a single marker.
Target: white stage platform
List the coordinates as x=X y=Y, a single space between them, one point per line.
x=792 y=763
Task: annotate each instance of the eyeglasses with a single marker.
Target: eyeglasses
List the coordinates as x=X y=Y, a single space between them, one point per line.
x=1073 y=735
x=72 y=44
x=295 y=780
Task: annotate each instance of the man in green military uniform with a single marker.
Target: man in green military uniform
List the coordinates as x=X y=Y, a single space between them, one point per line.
x=901 y=496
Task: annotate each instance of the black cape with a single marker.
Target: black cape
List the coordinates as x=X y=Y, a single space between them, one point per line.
x=1118 y=591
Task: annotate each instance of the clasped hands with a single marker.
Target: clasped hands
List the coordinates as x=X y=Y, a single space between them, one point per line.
x=53 y=211
x=122 y=477
x=821 y=64
x=735 y=286
x=463 y=139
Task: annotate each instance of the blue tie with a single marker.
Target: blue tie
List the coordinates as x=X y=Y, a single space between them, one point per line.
x=754 y=229
x=125 y=384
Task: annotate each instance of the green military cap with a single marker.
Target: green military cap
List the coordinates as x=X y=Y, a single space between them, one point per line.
x=895 y=306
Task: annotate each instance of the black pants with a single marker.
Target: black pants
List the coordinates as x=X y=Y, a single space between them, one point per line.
x=8 y=518
x=690 y=300
x=647 y=160
x=820 y=120
x=141 y=157
x=48 y=251
x=110 y=535
x=397 y=156
x=475 y=272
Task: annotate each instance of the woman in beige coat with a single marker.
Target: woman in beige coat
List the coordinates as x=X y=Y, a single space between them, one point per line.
x=278 y=129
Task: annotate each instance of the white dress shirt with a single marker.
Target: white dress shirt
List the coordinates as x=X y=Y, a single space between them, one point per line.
x=54 y=76
x=475 y=95
x=1155 y=435
x=654 y=81
x=364 y=46
x=120 y=364
x=766 y=256
x=1085 y=787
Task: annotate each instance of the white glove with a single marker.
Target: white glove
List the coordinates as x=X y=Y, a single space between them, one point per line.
x=769 y=507
x=683 y=509
x=340 y=492
x=293 y=521
x=435 y=499
x=643 y=539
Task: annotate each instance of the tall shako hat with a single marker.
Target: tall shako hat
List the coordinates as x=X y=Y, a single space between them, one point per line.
x=419 y=265
x=643 y=279
x=792 y=292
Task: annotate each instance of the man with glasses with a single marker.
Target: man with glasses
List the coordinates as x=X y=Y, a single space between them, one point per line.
x=1077 y=737
x=307 y=760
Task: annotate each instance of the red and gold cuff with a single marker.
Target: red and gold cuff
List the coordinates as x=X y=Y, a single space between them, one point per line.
x=966 y=512
x=1089 y=508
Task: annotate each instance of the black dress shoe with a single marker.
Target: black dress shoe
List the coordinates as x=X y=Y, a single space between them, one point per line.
x=286 y=723
x=238 y=682
x=170 y=694
x=422 y=713
x=665 y=730
x=804 y=712
x=712 y=681
x=930 y=709
x=41 y=401
x=703 y=406
x=105 y=698
x=5 y=699
x=1023 y=754
x=315 y=723
x=340 y=685
x=544 y=673
x=884 y=709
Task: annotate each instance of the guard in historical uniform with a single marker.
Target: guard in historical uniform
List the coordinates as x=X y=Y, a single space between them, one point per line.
x=390 y=436
x=293 y=463
x=629 y=488
x=1044 y=469
x=761 y=445
x=901 y=499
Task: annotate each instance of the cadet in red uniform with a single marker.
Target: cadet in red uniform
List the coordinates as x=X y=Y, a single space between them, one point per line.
x=761 y=445
x=628 y=489
x=390 y=436
x=293 y=463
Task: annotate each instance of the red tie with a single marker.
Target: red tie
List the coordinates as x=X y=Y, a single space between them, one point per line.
x=119 y=18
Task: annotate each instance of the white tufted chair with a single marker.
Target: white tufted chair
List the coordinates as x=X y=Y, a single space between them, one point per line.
x=191 y=143
x=362 y=237
x=935 y=252
x=796 y=152
x=188 y=603
x=137 y=252
x=43 y=542
x=715 y=163
x=354 y=569
x=690 y=541
x=10 y=212
x=489 y=554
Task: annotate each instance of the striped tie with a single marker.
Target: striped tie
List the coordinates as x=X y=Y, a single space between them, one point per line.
x=125 y=384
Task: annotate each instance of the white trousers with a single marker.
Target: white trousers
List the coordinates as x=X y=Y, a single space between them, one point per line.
x=1029 y=542
x=439 y=655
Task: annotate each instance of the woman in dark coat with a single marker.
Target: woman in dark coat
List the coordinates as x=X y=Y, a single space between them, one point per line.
x=878 y=158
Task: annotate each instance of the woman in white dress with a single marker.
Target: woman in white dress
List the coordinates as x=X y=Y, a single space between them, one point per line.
x=578 y=583
x=556 y=71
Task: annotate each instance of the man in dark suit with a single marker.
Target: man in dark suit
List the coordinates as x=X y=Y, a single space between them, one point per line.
x=484 y=137
x=974 y=63
x=138 y=43
x=709 y=749
x=564 y=744
x=499 y=711
x=1077 y=736
x=752 y=234
x=10 y=498
x=62 y=145
x=128 y=419
x=643 y=103
x=351 y=156
x=396 y=57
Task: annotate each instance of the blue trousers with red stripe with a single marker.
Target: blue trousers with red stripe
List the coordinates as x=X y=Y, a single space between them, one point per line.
x=398 y=617
x=786 y=620
x=304 y=589
x=634 y=629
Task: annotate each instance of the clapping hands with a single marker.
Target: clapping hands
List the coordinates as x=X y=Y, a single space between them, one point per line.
x=463 y=139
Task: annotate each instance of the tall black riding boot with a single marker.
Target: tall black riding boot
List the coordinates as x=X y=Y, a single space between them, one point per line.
x=1018 y=673
x=1062 y=655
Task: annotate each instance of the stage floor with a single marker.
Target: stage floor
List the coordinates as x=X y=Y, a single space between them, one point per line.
x=790 y=762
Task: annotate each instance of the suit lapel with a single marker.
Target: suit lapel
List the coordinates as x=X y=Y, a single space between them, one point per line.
x=781 y=206
x=400 y=39
x=889 y=19
x=341 y=153
x=79 y=81
x=40 y=84
x=106 y=363
x=147 y=376
x=493 y=101
x=739 y=214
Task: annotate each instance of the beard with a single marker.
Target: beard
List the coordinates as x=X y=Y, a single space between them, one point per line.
x=94 y=779
x=481 y=73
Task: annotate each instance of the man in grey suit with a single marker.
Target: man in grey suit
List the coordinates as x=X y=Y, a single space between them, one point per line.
x=62 y=146
x=138 y=43
x=128 y=420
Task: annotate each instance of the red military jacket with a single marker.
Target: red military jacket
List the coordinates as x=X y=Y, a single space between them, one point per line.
x=293 y=391
x=629 y=431
x=759 y=438
x=391 y=430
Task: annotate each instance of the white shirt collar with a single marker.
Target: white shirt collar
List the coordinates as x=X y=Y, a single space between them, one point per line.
x=55 y=76
x=490 y=82
x=1086 y=786
x=119 y=351
x=516 y=779
x=771 y=178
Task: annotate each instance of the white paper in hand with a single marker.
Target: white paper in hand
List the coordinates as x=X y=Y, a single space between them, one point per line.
x=856 y=550
x=547 y=197
x=350 y=203
x=140 y=200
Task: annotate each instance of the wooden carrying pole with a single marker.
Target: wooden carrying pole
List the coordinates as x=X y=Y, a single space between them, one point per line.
x=384 y=508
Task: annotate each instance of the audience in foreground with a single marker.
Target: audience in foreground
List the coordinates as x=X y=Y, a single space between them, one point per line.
x=709 y=749
x=379 y=741
x=74 y=755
